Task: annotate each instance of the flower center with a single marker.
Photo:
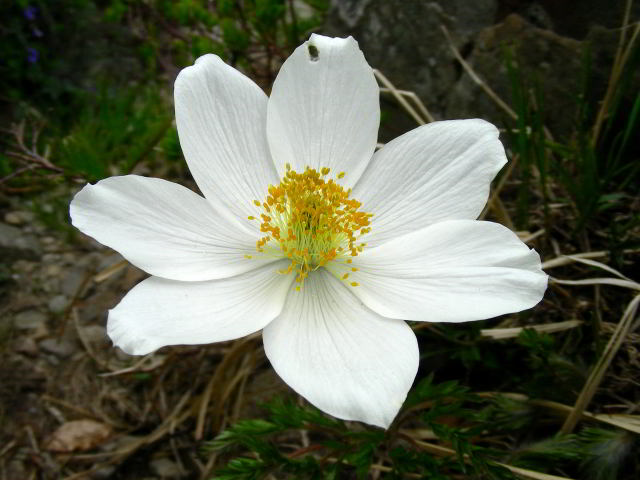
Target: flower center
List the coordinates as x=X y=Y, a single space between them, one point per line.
x=312 y=221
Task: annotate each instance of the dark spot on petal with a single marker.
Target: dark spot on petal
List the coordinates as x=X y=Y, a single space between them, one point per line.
x=314 y=54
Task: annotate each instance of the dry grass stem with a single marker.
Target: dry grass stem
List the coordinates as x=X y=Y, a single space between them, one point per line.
x=238 y=348
x=603 y=266
x=626 y=422
x=416 y=102
x=421 y=118
x=110 y=271
x=563 y=260
x=155 y=362
x=533 y=236
x=513 y=332
x=521 y=472
x=590 y=387
x=598 y=281
x=476 y=79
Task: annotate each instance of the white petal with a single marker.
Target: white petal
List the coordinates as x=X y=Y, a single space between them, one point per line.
x=324 y=109
x=342 y=357
x=221 y=119
x=440 y=171
x=452 y=271
x=159 y=312
x=163 y=228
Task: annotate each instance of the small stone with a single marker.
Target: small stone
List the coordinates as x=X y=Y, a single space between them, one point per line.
x=95 y=335
x=51 y=257
x=165 y=468
x=52 y=270
x=52 y=248
x=25 y=266
x=59 y=347
x=104 y=472
x=18 y=217
x=90 y=260
x=58 y=304
x=51 y=286
x=68 y=257
x=29 y=319
x=12 y=218
x=73 y=281
x=27 y=346
x=15 y=244
x=78 y=435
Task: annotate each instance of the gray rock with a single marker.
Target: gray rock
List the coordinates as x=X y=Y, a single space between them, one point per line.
x=165 y=468
x=72 y=281
x=26 y=345
x=575 y=19
x=15 y=244
x=24 y=267
x=553 y=62
x=536 y=50
x=59 y=347
x=18 y=217
x=58 y=304
x=69 y=257
x=404 y=40
x=52 y=270
x=48 y=240
x=95 y=335
x=29 y=319
x=51 y=257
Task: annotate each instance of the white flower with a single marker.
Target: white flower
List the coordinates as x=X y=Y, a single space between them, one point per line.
x=340 y=340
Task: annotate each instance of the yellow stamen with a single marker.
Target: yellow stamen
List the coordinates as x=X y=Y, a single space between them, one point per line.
x=313 y=222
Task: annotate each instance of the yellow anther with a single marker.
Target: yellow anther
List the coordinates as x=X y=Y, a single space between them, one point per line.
x=248 y=256
x=251 y=217
x=354 y=284
x=354 y=269
x=312 y=220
